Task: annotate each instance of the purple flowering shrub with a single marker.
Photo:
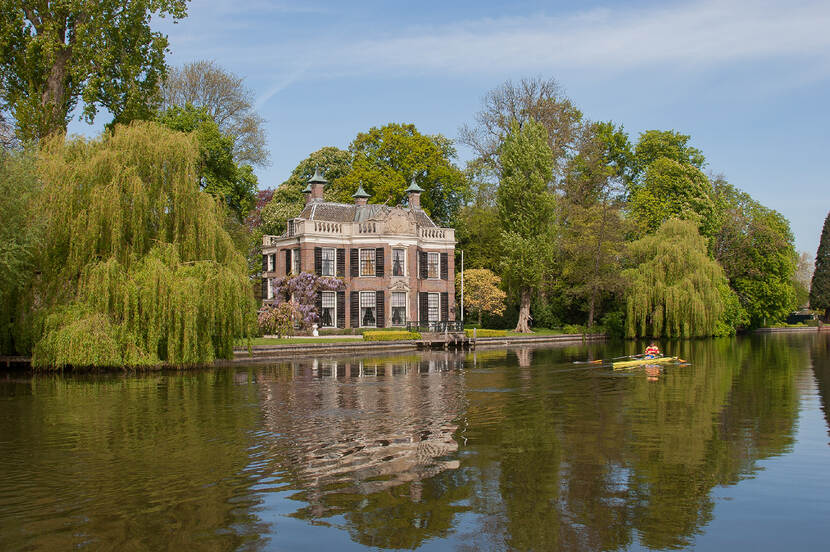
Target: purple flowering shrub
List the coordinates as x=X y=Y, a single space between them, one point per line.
x=301 y=291
x=277 y=319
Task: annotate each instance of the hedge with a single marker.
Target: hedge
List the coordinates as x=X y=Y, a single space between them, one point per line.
x=486 y=333
x=390 y=336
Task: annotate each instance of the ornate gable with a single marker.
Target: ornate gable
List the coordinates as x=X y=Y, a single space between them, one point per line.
x=400 y=221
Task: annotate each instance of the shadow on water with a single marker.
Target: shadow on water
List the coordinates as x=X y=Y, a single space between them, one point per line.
x=516 y=449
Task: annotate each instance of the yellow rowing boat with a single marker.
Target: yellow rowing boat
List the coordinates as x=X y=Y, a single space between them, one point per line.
x=644 y=361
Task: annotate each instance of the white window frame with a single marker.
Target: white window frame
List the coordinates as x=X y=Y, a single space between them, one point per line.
x=333 y=261
x=392 y=306
x=269 y=293
x=437 y=257
x=272 y=262
x=437 y=307
x=368 y=304
x=295 y=261
x=333 y=297
x=403 y=264
x=373 y=252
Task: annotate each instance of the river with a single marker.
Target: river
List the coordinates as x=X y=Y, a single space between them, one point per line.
x=504 y=449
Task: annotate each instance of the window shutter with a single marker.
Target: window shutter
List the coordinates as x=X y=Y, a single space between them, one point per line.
x=265 y=263
x=379 y=262
x=341 y=309
x=445 y=269
x=354 y=304
x=318 y=261
x=445 y=306
x=299 y=254
x=287 y=262
x=423 y=307
x=380 y=307
x=423 y=269
x=318 y=304
x=265 y=288
x=353 y=267
x=341 y=263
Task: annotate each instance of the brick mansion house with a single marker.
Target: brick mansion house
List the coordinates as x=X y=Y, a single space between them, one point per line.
x=397 y=264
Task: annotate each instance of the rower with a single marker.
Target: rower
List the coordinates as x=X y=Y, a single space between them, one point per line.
x=652 y=351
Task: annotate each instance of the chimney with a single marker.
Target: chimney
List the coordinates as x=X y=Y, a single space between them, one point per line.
x=360 y=196
x=414 y=192
x=316 y=185
x=307 y=192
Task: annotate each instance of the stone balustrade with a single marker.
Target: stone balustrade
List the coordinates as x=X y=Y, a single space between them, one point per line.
x=316 y=228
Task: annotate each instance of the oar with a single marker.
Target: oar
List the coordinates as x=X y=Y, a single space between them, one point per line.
x=600 y=361
x=629 y=356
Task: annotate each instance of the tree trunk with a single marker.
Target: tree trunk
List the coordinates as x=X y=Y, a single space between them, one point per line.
x=523 y=325
x=53 y=100
x=591 y=302
x=479 y=318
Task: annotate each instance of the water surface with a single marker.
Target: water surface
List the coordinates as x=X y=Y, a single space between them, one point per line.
x=517 y=449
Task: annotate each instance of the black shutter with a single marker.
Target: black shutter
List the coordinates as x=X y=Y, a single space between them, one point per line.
x=379 y=262
x=298 y=253
x=318 y=261
x=423 y=307
x=287 y=262
x=445 y=306
x=318 y=304
x=423 y=269
x=341 y=263
x=265 y=288
x=354 y=305
x=265 y=263
x=445 y=268
x=353 y=260
x=380 y=307
x=341 y=309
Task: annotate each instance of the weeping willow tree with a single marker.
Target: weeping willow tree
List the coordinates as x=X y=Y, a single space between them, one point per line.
x=135 y=268
x=676 y=288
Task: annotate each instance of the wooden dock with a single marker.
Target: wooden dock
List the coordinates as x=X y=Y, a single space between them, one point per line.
x=445 y=340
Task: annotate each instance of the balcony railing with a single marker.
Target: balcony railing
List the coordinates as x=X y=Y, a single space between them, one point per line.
x=433 y=326
x=298 y=227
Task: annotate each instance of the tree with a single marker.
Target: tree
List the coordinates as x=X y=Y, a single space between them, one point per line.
x=302 y=291
x=102 y=52
x=820 y=285
x=594 y=229
x=225 y=100
x=477 y=223
x=525 y=210
x=656 y=144
x=537 y=99
x=675 y=288
x=386 y=160
x=219 y=175
x=136 y=267
x=754 y=245
x=481 y=292
x=804 y=268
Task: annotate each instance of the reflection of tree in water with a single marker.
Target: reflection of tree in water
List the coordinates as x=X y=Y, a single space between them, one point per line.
x=372 y=440
x=820 y=356
x=587 y=459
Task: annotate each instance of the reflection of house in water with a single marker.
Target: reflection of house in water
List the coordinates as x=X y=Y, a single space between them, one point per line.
x=360 y=426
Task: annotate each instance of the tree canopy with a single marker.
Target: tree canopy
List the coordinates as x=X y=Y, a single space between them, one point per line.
x=136 y=267
x=820 y=285
x=103 y=52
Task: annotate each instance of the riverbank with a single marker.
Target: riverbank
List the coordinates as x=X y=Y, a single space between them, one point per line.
x=269 y=352
x=796 y=329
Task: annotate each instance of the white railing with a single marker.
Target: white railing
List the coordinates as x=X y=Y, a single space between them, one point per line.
x=344 y=230
x=324 y=227
x=368 y=227
x=433 y=233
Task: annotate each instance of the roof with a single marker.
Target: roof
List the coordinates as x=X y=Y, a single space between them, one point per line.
x=360 y=192
x=317 y=177
x=344 y=212
x=413 y=187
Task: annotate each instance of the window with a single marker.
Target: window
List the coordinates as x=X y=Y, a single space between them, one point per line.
x=368 y=316
x=328 y=261
x=367 y=263
x=272 y=262
x=269 y=294
x=398 y=308
x=433 y=260
x=295 y=258
x=329 y=315
x=398 y=262
x=433 y=306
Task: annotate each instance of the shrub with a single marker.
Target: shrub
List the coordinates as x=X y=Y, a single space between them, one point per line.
x=486 y=333
x=573 y=329
x=386 y=335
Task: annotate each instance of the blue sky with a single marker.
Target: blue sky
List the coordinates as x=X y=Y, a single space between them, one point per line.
x=749 y=81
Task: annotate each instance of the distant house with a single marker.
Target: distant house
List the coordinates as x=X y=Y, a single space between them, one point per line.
x=397 y=264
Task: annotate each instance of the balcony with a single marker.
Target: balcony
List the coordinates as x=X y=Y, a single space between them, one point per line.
x=348 y=230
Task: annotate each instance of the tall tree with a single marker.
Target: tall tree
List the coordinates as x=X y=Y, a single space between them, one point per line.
x=820 y=286
x=593 y=229
x=477 y=223
x=225 y=99
x=537 y=99
x=53 y=54
x=754 y=245
x=675 y=287
x=386 y=159
x=218 y=174
x=136 y=267
x=525 y=209
x=655 y=144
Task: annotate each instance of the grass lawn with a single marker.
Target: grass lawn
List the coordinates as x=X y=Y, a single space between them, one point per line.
x=296 y=341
